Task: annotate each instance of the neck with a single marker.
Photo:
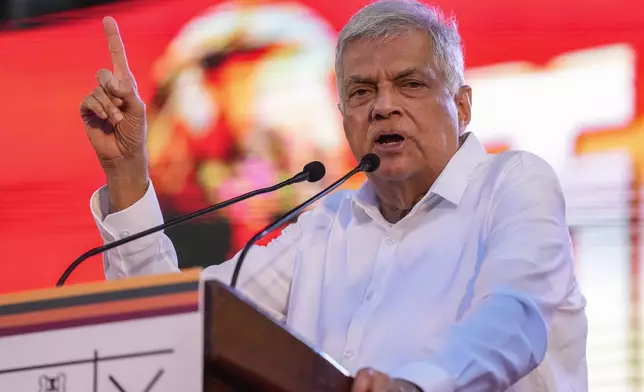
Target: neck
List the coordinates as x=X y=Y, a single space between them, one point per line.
x=397 y=198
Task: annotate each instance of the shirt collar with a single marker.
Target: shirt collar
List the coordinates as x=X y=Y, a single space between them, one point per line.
x=452 y=181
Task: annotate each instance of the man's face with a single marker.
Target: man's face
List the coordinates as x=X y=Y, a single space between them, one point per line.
x=396 y=103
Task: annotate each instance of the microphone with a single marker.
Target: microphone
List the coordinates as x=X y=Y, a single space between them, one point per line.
x=312 y=172
x=369 y=163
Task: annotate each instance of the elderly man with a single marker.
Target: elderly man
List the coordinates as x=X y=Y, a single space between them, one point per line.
x=448 y=270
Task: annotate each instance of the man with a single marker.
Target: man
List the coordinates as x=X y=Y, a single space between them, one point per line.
x=449 y=270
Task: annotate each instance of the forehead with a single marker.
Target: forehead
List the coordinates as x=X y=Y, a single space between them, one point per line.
x=370 y=57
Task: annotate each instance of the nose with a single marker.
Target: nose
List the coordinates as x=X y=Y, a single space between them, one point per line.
x=384 y=106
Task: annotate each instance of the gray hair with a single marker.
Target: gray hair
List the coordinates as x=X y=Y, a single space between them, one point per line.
x=388 y=18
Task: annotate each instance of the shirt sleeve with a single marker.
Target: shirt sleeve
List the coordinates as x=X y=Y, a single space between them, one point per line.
x=526 y=273
x=265 y=277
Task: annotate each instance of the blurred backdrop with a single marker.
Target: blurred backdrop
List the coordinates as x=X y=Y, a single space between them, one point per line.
x=241 y=94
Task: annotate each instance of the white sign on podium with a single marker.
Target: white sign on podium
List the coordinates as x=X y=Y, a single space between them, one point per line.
x=139 y=334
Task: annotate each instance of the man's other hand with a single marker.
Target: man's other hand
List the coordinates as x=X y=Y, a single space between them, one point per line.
x=370 y=380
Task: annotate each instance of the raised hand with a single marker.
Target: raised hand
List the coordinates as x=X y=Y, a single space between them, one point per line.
x=115 y=122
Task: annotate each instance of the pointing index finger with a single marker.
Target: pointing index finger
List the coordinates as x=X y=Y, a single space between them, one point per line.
x=119 y=61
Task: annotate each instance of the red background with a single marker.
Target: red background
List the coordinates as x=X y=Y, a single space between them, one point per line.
x=48 y=167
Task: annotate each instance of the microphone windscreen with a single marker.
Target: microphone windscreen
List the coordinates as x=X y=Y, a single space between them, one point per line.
x=370 y=162
x=316 y=171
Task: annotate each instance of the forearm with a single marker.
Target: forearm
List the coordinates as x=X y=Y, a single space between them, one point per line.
x=126 y=183
x=503 y=338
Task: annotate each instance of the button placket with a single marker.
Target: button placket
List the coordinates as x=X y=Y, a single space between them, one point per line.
x=382 y=268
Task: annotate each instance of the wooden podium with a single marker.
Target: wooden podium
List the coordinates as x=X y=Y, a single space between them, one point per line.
x=247 y=351
x=158 y=333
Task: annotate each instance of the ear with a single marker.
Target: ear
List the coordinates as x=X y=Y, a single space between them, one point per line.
x=463 y=100
x=340 y=109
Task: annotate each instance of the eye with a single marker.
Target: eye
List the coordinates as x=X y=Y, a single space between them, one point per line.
x=359 y=92
x=413 y=84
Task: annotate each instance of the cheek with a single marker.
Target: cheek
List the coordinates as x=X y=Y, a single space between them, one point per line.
x=431 y=123
x=436 y=119
x=447 y=112
x=355 y=130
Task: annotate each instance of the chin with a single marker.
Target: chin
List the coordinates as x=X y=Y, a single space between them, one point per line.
x=394 y=168
x=391 y=177
x=391 y=170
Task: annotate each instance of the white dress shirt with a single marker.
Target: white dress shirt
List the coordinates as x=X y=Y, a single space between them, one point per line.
x=474 y=290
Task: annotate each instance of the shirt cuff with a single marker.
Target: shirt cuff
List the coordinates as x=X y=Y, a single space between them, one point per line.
x=427 y=376
x=142 y=215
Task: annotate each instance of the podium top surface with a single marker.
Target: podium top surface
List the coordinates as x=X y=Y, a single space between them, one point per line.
x=99 y=302
x=185 y=276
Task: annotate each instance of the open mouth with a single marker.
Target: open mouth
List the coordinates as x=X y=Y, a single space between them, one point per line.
x=389 y=138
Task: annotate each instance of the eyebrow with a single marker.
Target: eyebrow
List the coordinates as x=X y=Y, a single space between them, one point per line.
x=408 y=72
x=402 y=74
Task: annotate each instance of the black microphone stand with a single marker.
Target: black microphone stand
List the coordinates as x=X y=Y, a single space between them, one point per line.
x=310 y=173
x=368 y=163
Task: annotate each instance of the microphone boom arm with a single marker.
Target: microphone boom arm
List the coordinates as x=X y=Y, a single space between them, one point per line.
x=368 y=163
x=302 y=176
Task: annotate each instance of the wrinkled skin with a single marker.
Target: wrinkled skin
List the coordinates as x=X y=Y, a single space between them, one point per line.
x=395 y=86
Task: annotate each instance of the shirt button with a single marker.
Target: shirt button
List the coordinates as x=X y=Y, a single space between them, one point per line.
x=390 y=241
x=348 y=354
x=369 y=295
x=125 y=234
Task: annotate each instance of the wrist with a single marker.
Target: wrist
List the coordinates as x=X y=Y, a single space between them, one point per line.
x=126 y=184
x=123 y=194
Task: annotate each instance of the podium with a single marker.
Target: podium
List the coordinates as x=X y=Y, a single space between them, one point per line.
x=156 y=333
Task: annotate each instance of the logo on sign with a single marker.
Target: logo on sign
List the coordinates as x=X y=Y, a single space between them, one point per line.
x=52 y=384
